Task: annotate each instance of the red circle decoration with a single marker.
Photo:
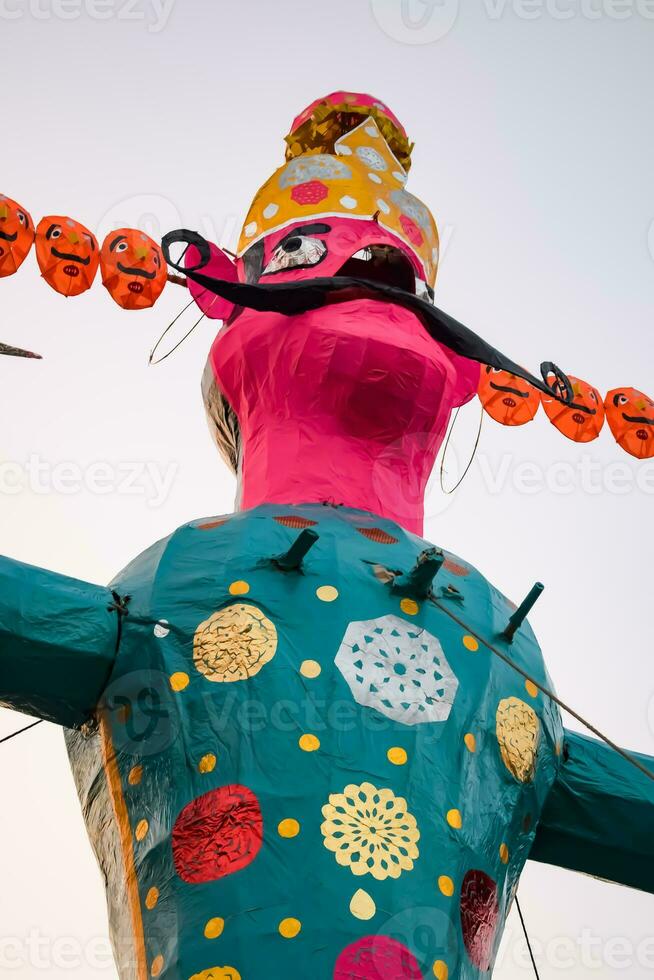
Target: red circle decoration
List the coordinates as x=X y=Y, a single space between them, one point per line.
x=311 y=192
x=377 y=958
x=411 y=230
x=217 y=834
x=479 y=915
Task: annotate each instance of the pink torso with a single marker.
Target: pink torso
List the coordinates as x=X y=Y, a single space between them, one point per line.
x=346 y=405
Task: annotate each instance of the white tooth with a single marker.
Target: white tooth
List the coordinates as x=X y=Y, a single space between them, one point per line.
x=363 y=253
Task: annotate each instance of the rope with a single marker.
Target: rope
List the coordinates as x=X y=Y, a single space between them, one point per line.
x=550 y=694
x=524 y=929
x=472 y=457
x=20 y=731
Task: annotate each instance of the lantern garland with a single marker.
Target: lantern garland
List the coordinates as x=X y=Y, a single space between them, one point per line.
x=134 y=272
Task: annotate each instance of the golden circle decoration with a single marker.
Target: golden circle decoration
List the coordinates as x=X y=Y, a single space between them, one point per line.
x=151 y=898
x=288 y=827
x=454 y=819
x=327 y=593
x=362 y=905
x=135 y=775
x=409 y=606
x=470 y=643
x=309 y=743
x=470 y=742
x=397 y=755
x=207 y=763
x=142 y=828
x=440 y=970
x=179 y=681
x=446 y=885
x=214 y=928
x=504 y=854
x=517 y=729
x=234 y=643
x=531 y=688
x=157 y=966
x=289 y=928
x=310 y=668
x=239 y=588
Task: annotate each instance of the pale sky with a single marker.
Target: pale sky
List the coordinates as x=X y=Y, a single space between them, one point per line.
x=535 y=149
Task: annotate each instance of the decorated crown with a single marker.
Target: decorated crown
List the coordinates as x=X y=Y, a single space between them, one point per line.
x=347 y=156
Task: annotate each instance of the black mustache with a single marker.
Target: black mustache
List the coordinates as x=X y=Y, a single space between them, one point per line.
x=135 y=272
x=8 y=238
x=71 y=257
x=513 y=391
x=291 y=299
x=640 y=419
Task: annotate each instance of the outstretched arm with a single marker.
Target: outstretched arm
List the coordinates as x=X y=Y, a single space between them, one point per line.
x=599 y=816
x=58 y=639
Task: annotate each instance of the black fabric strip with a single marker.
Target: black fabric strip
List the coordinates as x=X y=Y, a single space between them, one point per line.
x=293 y=298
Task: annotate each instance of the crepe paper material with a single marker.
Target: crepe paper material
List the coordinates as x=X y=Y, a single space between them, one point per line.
x=133 y=269
x=630 y=415
x=16 y=235
x=581 y=421
x=67 y=254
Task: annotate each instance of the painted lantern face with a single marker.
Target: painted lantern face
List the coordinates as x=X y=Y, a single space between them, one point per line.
x=16 y=236
x=583 y=420
x=507 y=399
x=630 y=415
x=133 y=268
x=67 y=254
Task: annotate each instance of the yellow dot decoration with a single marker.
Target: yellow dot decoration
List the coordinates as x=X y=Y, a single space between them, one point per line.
x=142 y=828
x=454 y=819
x=397 y=755
x=470 y=643
x=289 y=928
x=288 y=827
x=214 y=928
x=470 y=742
x=179 y=681
x=157 y=966
x=409 y=606
x=152 y=898
x=239 y=588
x=440 y=970
x=362 y=905
x=532 y=690
x=135 y=775
x=327 y=593
x=446 y=886
x=309 y=743
x=207 y=763
x=504 y=854
x=234 y=643
x=517 y=729
x=310 y=668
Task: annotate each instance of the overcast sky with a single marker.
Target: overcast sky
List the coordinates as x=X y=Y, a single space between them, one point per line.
x=535 y=149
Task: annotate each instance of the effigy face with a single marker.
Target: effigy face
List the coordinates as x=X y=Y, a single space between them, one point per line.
x=312 y=774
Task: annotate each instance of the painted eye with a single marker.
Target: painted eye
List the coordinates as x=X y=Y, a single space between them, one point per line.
x=89 y=241
x=592 y=396
x=55 y=233
x=23 y=219
x=156 y=259
x=623 y=400
x=296 y=252
x=121 y=247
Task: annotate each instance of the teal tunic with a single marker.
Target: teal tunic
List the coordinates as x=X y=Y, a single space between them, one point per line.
x=309 y=773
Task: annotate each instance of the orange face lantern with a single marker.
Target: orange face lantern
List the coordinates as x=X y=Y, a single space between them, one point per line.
x=630 y=415
x=133 y=268
x=506 y=398
x=16 y=236
x=67 y=254
x=581 y=421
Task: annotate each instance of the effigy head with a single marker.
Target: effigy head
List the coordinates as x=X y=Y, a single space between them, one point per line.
x=16 y=235
x=359 y=368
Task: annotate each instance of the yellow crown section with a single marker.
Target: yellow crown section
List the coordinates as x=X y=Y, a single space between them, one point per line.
x=361 y=179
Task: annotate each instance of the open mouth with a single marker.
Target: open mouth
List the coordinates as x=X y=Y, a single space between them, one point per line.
x=642 y=434
x=8 y=238
x=71 y=258
x=509 y=402
x=135 y=287
x=578 y=418
x=385 y=264
x=71 y=270
x=135 y=272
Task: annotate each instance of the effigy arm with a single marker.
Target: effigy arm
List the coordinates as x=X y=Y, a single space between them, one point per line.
x=58 y=639
x=599 y=816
